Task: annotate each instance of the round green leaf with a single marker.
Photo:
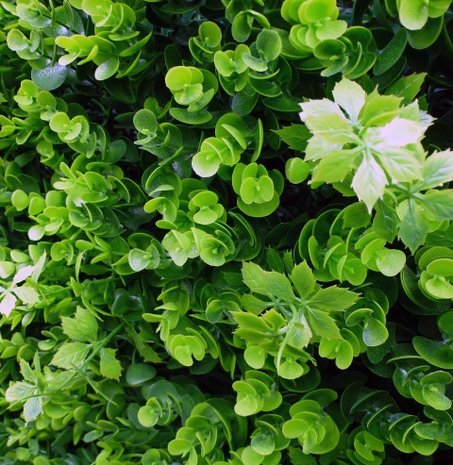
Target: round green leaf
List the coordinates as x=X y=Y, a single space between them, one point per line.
x=107 y=69
x=51 y=77
x=374 y=333
x=441 y=267
x=390 y=262
x=139 y=373
x=297 y=170
x=255 y=357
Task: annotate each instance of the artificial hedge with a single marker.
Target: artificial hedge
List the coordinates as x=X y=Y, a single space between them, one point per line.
x=226 y=232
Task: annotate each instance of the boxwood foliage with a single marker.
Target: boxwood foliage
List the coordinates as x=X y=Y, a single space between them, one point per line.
x=226 y=232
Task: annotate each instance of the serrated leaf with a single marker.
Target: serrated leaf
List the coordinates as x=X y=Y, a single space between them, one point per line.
x=439 y=204
x=400 y=132
x=24 y=273
x=268 y=283
x=413 y=226
x=322 y=324
x=400 y=164
x=303 y=279
x=369 y=182
x=27 y=294
x=32 y=408
x=333 y=299
x=331 y=127
x=20 y=391
x=437 y=169
x=385 y=221
x=295 y=136
x=83 y=327
x=70 y=355
x=109 y=365
x=335 y=166
x=8 y=303
x=350 y=96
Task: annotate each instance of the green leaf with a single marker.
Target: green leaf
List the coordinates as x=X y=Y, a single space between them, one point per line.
x=322 y=324
x=20 y=391
x=295 y=136
x=350 y=96
x=16 y=40
x=139 y=373
x=439 y=204
x=7 y=304
x=333 y=299
x=435 y=352
x=27 y=294
x=110 y=366
x=437 y=169
x=290 y=369
x=32 y=408
x=413 y=227
x=146 y=122
x=191 y=117
x=369 y=182
x=213 y=251
x=445 y=324
x=325 y=120
x=264 y=443
x=269 y=283
x=427 y=35
x=269 y=44
x=107 y=69
x=139 y=259
x=391 y=53
x=19 y=199
x=303 y=279
x=401 y=165
x=390 y=262
x=385 y=222
x=439 y=287
x=312 y=11
x=51 y=77
x=297 y=170
x=83 y=327
x=255 y=356
x=413 y=14
x=70 y=355
x=147 y=416
x=407 y=87
x=335 y=166
x=374 y=333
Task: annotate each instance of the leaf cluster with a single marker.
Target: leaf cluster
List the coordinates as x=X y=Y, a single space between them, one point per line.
x=226 y=232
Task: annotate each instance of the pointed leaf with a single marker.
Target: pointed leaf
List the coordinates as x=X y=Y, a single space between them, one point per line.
x=83 y=327
x=110 y=366
x=333 y=299
x=438 y=169
x=8 y=303
x=350 y=96
x=369 y=182
x=70 y=355
x=268 y=283
x=303 y=279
